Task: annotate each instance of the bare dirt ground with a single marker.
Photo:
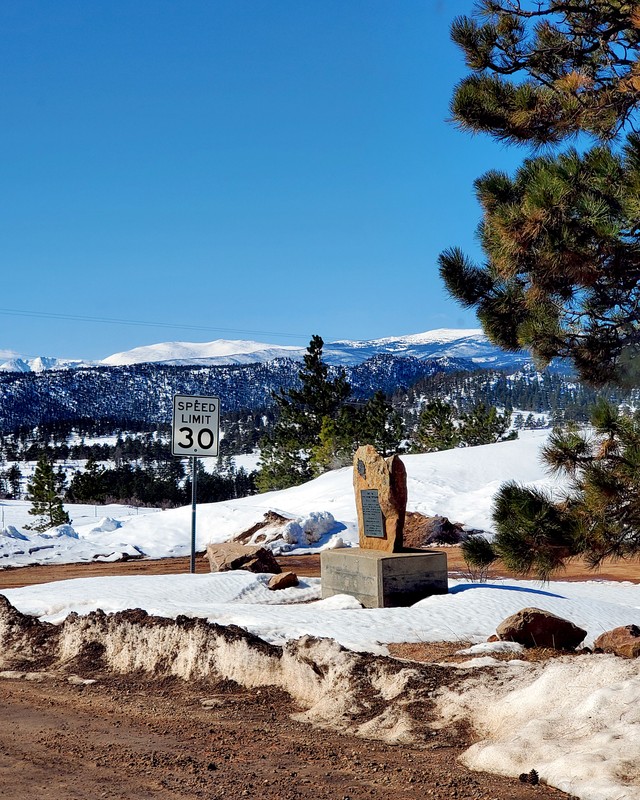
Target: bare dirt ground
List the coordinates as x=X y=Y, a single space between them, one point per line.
x=137 y=738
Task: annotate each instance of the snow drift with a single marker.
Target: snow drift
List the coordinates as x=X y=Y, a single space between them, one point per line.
x=362 y=694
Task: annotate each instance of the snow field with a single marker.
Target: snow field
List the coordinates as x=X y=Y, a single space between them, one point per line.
x=458 y=483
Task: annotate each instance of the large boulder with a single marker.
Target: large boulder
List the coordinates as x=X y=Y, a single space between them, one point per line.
x=231 y=555
x=423 y=531
x=623 y=641
x=533 y=627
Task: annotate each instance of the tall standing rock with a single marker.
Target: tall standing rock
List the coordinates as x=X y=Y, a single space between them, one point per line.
x=380 y=487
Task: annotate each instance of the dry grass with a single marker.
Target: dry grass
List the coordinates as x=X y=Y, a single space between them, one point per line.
x=445 y=652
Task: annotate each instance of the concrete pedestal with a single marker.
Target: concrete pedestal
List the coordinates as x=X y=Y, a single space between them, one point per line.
x=384 y=580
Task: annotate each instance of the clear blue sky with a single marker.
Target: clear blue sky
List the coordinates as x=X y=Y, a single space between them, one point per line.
x=260 y=166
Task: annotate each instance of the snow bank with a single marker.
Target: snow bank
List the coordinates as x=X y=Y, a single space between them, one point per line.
x=575 y=720
x=470 y=612
x=337 y=688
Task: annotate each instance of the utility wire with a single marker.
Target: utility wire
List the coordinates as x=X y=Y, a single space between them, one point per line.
x=142 y=323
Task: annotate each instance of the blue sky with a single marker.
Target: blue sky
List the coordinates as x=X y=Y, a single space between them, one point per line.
x=263 y=169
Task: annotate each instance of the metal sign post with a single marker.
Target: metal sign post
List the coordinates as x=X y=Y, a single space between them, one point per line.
x=195 y=432
x=194 y=480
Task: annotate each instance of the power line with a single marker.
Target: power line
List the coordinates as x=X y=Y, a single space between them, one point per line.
x=144 y=323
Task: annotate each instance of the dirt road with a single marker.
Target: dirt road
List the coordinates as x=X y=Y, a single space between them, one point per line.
x=135 y=739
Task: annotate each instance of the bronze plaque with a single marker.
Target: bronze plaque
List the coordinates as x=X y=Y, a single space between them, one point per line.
x=371 y=514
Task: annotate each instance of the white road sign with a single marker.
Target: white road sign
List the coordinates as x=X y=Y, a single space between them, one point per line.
x=195 y=426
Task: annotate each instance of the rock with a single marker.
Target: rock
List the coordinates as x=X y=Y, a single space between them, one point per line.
x=271 y=520
x=494 y=638
x=623 y=641
x=283 y=581
x=534 y=627
x=422 y=531
x=384 y=483
x=230 y=555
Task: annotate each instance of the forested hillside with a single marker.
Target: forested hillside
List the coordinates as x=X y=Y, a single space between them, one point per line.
x=143 y=393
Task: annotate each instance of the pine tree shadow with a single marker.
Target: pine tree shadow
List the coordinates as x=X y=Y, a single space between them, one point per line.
x=457 y=589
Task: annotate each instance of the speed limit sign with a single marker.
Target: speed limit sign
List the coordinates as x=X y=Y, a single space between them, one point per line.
x=195 y=426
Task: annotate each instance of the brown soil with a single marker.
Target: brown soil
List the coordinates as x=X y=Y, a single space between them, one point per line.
x=307 y=566
x=447 y=652
x=133 y=738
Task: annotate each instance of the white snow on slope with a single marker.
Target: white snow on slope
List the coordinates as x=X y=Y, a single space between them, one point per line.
x=220 y=351
x=471 y=345
x=459 y=484
x=445 y=343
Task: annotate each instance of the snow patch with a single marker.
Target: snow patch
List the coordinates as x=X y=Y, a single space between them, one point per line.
x=575 y=720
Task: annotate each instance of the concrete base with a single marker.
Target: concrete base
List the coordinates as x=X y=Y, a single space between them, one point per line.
x=384 y=580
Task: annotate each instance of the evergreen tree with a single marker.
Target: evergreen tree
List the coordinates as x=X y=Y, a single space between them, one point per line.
x=547 y=71
x=286 y=455
x=335 y=447
x=381 y=425
x=561 y=240
x=562 y=261
x=46 y=502
x=441 y=428
x=437 y=429
x=600 y=515
x=88 y=486
x=14 y=479
x=484 y=425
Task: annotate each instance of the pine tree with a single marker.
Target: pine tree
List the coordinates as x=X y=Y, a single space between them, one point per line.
x=334 y=448
x=547 y=71
x=46 y=502
x=485 y=425
x=441 y=428
x=14 y=479
x=381 y=425
x=286 y=455
x=88 y=486
x=562 y=261
x=561 y=241
x=437 y=429
x=600 y=515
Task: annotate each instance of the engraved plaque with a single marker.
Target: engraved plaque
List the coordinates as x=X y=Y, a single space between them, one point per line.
x=371 y=514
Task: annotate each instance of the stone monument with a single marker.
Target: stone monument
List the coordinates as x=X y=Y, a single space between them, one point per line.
x=380 y=486
x=380 y=572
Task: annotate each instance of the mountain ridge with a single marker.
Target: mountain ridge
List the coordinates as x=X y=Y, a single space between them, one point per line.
x=470 y=345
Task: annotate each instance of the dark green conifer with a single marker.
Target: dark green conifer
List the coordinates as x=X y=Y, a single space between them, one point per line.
x=437 y=429
x=542 y=72
x=381 y=425
x=286 y=455
x=46 y=502
x=560 y=238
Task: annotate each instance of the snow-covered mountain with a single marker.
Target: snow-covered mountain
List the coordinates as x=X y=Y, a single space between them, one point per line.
x=469 y=345
x=464 y=345
x=220 y=352
x=14 y=363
